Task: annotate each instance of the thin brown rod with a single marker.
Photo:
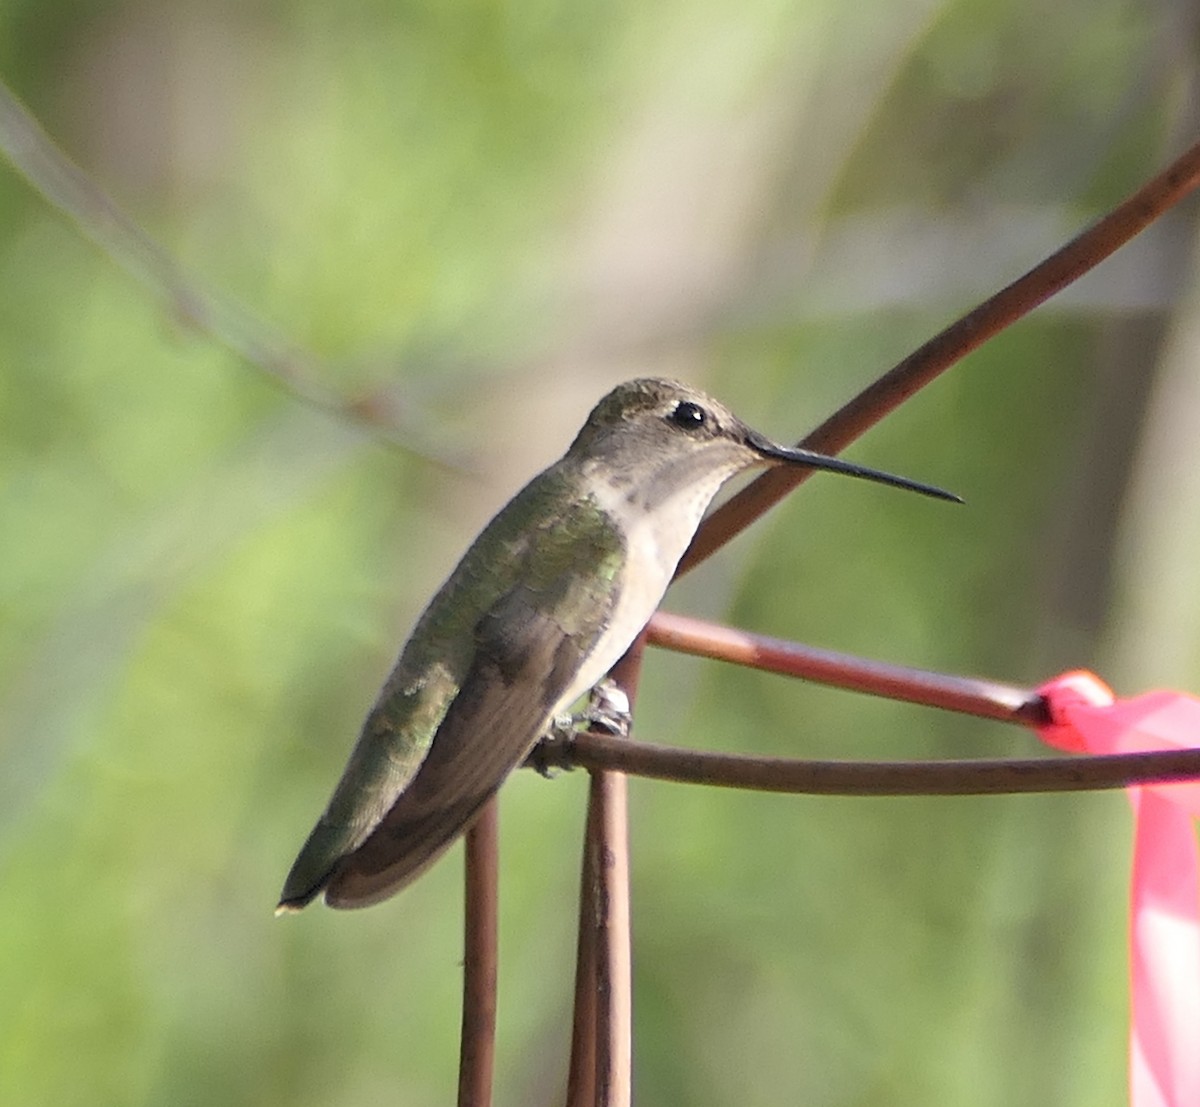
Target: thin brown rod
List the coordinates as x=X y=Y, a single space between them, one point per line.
x=875 y=778
x=614 y=985
x=581 y=1075
x=966 y=695
x=478 y=1050
x=601 y=1070
x=614 y=946
x=942 y=351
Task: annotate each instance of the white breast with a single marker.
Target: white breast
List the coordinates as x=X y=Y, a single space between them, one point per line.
x=656 y=541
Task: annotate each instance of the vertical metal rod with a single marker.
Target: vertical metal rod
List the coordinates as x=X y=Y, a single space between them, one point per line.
x=478 y=1050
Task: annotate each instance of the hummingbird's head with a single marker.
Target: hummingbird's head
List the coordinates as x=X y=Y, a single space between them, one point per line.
x=659 y=437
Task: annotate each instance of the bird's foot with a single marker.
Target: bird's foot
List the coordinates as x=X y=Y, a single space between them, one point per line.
x=608 y=709
x=553 y=749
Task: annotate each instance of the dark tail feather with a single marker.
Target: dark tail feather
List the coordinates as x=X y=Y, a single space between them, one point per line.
x=313 y=867
x=398 y=851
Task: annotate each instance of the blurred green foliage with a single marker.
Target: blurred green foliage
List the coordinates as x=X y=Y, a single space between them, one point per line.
x=495 y=211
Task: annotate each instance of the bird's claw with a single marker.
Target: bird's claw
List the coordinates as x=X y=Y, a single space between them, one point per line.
x=608 y=709
x=552 y=750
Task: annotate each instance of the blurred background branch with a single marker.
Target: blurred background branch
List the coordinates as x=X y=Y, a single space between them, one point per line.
x=61 y=183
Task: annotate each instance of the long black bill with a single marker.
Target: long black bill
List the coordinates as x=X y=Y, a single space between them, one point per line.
x=795 y=456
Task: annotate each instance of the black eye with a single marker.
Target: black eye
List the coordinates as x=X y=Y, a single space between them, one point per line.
x=688 y=416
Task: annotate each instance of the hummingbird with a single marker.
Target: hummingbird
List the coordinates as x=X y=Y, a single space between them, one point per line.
x=546 y=600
